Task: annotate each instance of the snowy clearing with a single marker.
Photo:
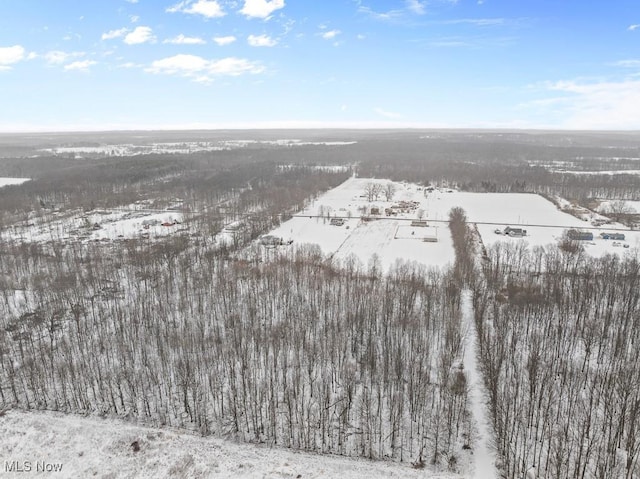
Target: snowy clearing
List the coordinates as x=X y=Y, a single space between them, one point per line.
x=392 y=238
x=605 y=206
x=12 y=181
x=98 y=225
x=92 y=447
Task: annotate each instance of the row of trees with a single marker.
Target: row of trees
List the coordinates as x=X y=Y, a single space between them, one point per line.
x=374 y=189
x=497 y=162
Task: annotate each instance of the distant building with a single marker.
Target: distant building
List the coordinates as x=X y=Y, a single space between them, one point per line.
x=336 y=221
x=613 y=236
x=580 y=235
x=419 y=223
x=515 y=232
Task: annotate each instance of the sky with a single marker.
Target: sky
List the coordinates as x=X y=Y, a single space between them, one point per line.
x=147 y=64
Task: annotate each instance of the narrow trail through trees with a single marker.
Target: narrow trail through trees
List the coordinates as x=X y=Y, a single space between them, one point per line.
x=484 y=444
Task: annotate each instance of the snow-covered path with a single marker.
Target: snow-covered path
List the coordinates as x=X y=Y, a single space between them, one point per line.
x=484 y=450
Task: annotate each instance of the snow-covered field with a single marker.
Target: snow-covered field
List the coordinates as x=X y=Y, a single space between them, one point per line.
x=12 y=181
x=392 y=238
x=98 y=225
x=91 y=447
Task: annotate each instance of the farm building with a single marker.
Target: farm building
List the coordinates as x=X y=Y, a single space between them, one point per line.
x=580 y=235
x=430 y=238
x=390 y=212
x=515 y=232
x=613 y=236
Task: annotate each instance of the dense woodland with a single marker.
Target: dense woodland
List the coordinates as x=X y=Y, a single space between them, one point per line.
x=559 y=335
x=290 y=348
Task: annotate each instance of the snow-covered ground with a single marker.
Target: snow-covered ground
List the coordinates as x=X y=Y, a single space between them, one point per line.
x=390 y=238
x=605 y=206
x=91 y=447
x=12 y=181
x=98 y=225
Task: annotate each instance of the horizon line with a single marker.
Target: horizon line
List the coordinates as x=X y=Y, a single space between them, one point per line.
x=308 y=126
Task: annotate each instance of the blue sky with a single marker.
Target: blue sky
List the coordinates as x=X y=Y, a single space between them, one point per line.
x=126 y=64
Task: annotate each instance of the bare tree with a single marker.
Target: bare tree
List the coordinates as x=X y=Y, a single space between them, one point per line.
x=373 y=190
x=389 y=190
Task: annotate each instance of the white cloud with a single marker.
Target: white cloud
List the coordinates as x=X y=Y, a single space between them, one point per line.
x=331 y=34
x=261 y=41
x=132 y=1
x=134 y=18
x=383 y=16
x=183 y=40
x=139 y=35
x=387 y=114
x=261 y=8
x=82 y=65
x=633 y=27
x=479 y=22
x=10 y=55
x=206 y=8
x=225 y=40
x=57 y=57
x=202 y=70
x=627 y=63
x=111 y=34
x=597 y=105
x=416 y=7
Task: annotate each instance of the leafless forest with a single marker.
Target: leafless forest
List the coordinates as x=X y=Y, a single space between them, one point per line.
x=298 y=350
x=559 y=339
